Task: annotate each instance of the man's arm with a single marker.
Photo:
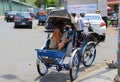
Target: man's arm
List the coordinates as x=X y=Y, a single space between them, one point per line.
x=67 y=40
x=56 y=36
x=63 y=43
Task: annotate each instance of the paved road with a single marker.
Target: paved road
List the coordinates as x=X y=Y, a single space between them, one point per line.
x=17 y=61
x=107 y=50
x=17 y=51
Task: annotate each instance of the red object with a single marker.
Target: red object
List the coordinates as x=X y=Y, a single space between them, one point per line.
x=15 y=18
x=102 y=24
x=43 y=13
x=30 y=18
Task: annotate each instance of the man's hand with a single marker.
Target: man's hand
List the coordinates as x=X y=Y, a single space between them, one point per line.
x=61 y=45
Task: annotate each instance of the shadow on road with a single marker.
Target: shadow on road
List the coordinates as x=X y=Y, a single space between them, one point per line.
x=12 y=77
x=53 y=77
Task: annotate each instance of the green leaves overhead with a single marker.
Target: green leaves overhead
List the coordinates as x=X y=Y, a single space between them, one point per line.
x=49 y=3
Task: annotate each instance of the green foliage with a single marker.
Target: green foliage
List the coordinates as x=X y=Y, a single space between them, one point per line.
x=52 y=3
x=27 y=1
x=37 y=3
x=49 y=3
x=44 y=1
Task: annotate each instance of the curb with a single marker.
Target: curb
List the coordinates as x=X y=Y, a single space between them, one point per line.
x=100 y=75
x=93 y=73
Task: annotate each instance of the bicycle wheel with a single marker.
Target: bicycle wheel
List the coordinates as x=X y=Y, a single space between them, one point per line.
x=89 y=54
x=41 y=68
x=74 y=65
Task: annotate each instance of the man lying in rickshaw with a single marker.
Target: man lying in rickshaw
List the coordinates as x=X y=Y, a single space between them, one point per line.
x=59 y=39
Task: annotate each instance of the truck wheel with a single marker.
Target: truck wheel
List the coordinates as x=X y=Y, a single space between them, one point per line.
x=30 y=26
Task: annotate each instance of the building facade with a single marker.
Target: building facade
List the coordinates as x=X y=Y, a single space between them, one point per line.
x=14 y=5
x=91 y=5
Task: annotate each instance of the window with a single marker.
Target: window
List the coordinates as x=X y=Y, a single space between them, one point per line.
x=92 y=18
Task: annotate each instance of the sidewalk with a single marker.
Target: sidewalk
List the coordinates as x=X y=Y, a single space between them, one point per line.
x=103 y=74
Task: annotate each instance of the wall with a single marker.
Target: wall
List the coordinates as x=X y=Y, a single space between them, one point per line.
x=101 y=4
x=16 y=6
x=3 y=6
x=102 y=7
x=73 y=2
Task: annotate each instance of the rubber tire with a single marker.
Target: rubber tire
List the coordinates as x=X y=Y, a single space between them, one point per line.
x=30 y=27
x=39 y=69
x=86 y=49
x=15 y=26
x=7 y=20
x=75 y=57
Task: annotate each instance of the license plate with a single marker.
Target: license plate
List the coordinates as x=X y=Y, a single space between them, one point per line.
x=23 y=23
x=11 y=16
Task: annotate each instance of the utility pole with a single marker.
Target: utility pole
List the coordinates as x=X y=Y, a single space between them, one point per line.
x=117 y=77
x=10 y=4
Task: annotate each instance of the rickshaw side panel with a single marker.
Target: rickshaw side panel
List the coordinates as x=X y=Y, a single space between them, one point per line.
x=50 y=53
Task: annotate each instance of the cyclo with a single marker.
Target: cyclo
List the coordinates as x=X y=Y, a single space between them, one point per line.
x=47 y=58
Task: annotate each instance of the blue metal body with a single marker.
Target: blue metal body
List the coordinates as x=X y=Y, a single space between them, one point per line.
x=54 y=57
x=42 y=18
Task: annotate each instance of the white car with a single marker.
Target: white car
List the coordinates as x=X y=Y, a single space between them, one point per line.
x=97 y=23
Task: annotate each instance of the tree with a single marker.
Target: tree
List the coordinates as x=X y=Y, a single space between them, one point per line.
x=47 y=2
x=27 y=1
x=52 y=3
x=37 y=3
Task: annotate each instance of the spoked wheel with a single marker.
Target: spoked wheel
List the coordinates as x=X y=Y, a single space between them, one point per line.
x=41 y=68
x=89 y=54
x=74 y=65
